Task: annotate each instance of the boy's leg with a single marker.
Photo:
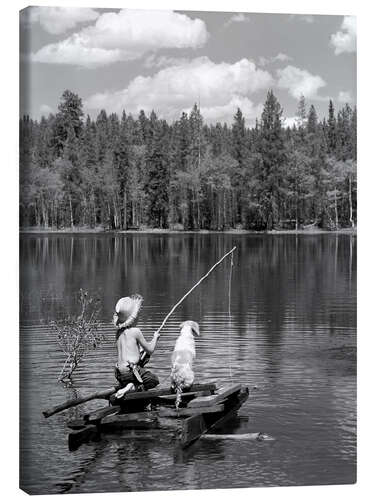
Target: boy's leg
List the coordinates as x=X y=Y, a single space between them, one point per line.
x=150 y=380
x=126 y=381
x=128 y=388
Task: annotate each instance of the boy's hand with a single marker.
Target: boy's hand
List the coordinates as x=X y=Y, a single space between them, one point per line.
x=156 y=335
x=115 y=319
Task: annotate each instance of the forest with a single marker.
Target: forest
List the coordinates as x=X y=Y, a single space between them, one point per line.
x=124 y=172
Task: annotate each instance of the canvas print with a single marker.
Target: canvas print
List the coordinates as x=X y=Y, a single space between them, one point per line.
x=188 y=213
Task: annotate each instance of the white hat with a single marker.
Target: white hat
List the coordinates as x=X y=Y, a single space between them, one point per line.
x=127 y=310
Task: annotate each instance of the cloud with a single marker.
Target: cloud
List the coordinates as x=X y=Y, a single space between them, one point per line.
x=290 y=121
x=303 y=18
x=345 y=97
x=153 y=61
x=58 y=20
x=220 y=88
x=125 y=36
x=263 y=61
x=45 y=110
x=280 y=57
x=238 y=18
x=225 y=112
x=300 y=82
x=345 y=40
x=307 y=19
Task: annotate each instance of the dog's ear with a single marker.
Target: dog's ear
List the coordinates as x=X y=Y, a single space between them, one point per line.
x=195 y=328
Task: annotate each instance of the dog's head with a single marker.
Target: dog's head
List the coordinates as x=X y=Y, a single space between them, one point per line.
x=194 y=327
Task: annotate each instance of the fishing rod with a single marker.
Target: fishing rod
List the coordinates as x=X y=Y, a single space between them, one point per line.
x=145 y=356
x=191 y=289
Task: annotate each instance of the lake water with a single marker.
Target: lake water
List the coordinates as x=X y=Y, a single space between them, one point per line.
x=290 y=336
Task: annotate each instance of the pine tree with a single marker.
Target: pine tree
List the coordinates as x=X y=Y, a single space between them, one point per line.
x=331 y=129
x=70 y=108
x=343 y=134
x=312 y=121
x=68 y=117
x=121 y=161
x=71 y=173
x=144 y=127
x=156 y=187
x=102 y=133
x=240 y=153
x=301 y=122
x=197 y=149
x=301 y=112
x=353 y=133
x=273 y=159
x=197 y=142
x=179 y=192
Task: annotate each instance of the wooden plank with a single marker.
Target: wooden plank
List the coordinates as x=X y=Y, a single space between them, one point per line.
x=76 y=423
x=155 y=393
x=140 y=420
x=171 y=398
x=220 y=394
x=188 y=412
x=232 y=410
x=78 y=437
x=96 y=416
x=77 y=401
x=191 y=429
x=195 y=426
x=139 y=396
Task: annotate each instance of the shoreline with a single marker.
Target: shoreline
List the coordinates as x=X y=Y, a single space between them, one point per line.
x=352 y=231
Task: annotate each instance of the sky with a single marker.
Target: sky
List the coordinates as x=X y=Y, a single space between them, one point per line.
x=168 y=60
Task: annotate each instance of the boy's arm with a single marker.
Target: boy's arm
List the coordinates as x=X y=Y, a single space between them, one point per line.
x=149 y=347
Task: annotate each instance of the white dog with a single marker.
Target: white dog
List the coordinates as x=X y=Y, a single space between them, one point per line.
x=182 y=375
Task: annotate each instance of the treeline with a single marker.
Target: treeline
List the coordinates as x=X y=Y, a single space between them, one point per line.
x=126 y=172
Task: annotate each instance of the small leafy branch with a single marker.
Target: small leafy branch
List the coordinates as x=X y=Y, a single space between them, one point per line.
x=78 y=334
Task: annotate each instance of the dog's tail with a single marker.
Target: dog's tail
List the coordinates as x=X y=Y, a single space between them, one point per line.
x=178 y=396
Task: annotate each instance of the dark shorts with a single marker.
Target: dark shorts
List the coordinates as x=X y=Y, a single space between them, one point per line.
x=149 y=379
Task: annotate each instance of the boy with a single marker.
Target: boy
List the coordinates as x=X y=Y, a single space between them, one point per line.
x=129 y=369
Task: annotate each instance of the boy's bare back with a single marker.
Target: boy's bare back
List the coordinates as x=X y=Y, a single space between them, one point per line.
x=128 y=347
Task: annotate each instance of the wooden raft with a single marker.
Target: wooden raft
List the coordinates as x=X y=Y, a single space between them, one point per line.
x=203 y=408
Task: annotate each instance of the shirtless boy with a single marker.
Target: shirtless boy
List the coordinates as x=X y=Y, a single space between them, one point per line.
x=130 y=345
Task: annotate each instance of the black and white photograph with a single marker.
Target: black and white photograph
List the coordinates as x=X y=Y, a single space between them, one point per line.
x=187 y=249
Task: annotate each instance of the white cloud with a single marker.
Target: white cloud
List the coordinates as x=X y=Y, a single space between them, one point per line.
x=280 y=57
x=238 y=18
x=45 y=110
x=220 y=87
x=345 y=40
x=304 y=18
x=307 y=19
x=154 y=61
x=57 y=20
x=290 y=121
x=283 y=57
x=124 y=36
x=225 y=112
x=263 y=61
x=345 y=97
x=300 y=82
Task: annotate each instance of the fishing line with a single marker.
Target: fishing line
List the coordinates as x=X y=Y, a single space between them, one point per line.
x=230 y=315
